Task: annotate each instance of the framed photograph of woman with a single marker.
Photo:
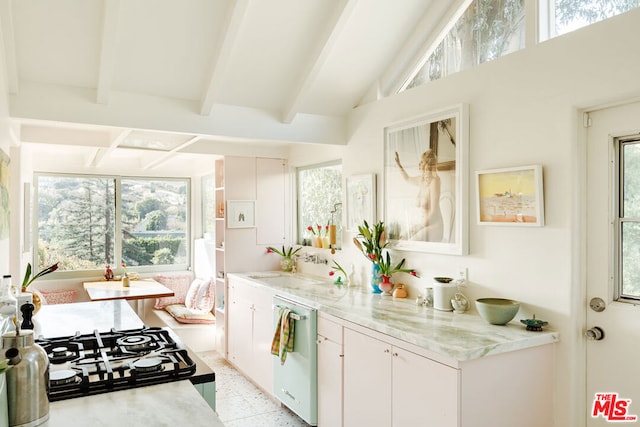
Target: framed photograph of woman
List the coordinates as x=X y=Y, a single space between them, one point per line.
x=426 y=182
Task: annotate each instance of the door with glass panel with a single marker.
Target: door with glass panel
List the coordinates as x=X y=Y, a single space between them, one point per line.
x=612 y=330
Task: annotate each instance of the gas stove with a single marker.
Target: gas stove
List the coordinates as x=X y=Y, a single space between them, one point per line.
x=100 y=362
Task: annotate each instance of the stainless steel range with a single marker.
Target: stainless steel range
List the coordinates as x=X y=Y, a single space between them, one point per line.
x=100 y=362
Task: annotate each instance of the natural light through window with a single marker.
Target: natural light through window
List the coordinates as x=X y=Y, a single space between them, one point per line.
x=571 y=15
x=86 y=222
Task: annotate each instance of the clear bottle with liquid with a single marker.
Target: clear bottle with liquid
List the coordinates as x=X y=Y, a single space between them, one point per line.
x=8 y=306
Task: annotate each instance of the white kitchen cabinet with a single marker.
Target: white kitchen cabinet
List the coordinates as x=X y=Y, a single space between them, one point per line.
x=367 y=381
x=388 y=382
x=385 y=385
x=423 y=392
x=329 y=373
x=250 y=326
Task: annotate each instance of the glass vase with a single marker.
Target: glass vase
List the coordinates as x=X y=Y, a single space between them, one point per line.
x=385 y=285
x=286 y=263
x=376 y=278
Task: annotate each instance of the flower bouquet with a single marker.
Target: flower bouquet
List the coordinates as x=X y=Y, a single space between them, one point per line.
x=287 y=263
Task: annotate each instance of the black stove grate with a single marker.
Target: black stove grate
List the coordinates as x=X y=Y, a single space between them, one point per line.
x=114 y=360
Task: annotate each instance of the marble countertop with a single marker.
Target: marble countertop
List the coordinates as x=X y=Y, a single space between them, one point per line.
x=176 y=403
x=173 y=403
x=460 y=336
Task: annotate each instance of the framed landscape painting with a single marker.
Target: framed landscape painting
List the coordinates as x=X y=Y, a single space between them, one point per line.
x=511 y=196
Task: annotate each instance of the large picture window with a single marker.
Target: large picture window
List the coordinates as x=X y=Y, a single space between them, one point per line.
x=86 y=222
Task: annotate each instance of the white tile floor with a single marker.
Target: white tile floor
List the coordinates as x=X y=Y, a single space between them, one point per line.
x=241 y=404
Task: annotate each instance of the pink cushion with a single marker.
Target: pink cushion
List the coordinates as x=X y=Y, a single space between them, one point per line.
x=200 y=296
x=59 y=296
x=178 y=283
x=183 y=315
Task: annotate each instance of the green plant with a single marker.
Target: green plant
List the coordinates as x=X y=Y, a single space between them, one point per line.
x=27 y=275
x=371 y=240
x=338 y=268
x=386 y=269
x=4 y=365
x=287 y=253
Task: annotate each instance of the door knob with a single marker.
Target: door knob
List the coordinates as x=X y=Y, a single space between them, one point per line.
x=595 y=334
x=597 y=304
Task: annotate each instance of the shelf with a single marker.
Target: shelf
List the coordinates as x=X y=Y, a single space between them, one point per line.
x=219 y=249
x=220 y=279
x=219 y=218
x=219 y=188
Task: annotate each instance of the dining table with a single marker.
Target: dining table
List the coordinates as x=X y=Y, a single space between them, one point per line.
x=137 y=291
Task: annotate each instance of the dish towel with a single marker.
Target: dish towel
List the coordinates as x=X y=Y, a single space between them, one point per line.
x=283 y=337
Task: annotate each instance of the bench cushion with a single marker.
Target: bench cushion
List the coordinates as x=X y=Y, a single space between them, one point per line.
x=178 y=283
x=183 y=315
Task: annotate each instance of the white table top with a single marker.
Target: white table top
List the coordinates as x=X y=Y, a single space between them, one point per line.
x=137 y=289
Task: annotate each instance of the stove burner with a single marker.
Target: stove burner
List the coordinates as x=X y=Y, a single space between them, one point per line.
x=150 y=364
x=65 y=376
x=134 y=342
x=59 y=351
x=101 y=362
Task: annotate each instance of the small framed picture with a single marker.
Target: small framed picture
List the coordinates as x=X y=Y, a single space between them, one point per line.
x=361 y=200
x=241 y=213
x=511 y=196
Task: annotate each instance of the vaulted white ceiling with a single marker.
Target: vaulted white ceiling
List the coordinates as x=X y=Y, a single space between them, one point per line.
x=212 y=73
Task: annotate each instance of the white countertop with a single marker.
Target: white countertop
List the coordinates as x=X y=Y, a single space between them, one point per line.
x=462 y=337
x=172 y=404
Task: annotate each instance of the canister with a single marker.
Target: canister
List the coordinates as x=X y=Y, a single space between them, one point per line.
x=27 y=380
x=443 y=291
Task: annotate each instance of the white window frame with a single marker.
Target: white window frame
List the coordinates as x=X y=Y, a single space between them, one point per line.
x=118 y=227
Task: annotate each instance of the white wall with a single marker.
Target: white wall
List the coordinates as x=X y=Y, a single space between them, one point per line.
x=5 y=142
x=524 y=109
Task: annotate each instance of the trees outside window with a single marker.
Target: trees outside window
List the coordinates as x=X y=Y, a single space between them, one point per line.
x=319 y=191
x=78 y=218
x=573 y=14
x=487 y=30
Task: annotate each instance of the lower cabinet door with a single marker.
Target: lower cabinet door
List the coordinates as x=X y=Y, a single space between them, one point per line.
x=329 y=383
x=424 y=393
x=367 y=381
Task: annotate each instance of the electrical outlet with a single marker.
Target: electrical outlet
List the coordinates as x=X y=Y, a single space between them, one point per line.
x=462 y=274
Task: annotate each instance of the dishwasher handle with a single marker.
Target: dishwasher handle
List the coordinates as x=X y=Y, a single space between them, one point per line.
x=294 y=316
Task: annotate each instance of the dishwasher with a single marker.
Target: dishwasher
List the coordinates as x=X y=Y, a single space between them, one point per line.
x=295 y=382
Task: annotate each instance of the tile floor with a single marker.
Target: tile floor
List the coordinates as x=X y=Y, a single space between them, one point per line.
x=241 y=404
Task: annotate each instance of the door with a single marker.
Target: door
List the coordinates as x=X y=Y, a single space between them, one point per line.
x=367 y=381
x=611 y=362
x=425 y=392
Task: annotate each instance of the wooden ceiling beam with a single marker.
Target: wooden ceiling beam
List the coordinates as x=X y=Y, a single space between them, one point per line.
x=229 y=34
x=318 y=58
x=107 y=60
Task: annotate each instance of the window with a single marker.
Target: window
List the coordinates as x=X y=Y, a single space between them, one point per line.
x=569 y=15
x=319 y=194
x=87 y=222
x=628 y=215
x=487 y=30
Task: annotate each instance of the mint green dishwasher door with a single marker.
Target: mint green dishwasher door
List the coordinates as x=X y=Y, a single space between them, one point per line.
x=295 y=381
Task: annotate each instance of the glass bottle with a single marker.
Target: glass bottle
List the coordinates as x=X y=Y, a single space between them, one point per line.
x=8 y=305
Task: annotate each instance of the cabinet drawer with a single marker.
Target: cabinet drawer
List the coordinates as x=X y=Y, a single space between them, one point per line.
x=330 y=330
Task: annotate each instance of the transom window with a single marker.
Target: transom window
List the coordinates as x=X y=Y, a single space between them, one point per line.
x=628 y=219
x=87 y=222
x=490 y=29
